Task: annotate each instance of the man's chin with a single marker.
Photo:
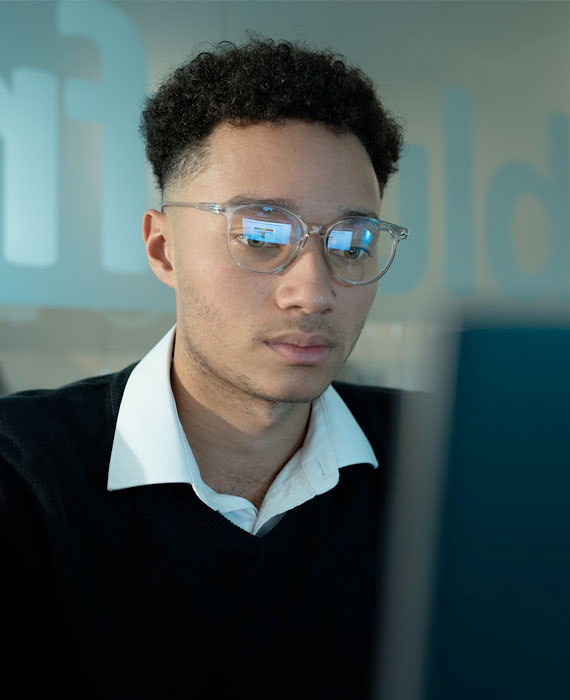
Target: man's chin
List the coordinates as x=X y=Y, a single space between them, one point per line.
x=299 y=390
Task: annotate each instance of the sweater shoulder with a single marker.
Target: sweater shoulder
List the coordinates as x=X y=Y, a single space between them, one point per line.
x=370 y=403
x=378 y=395
x=383 y=401
x=378 y=411
x=36 y=419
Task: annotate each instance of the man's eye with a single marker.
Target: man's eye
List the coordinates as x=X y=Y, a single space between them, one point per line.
x=253 y=243
x=256 y=244
x=353 y=253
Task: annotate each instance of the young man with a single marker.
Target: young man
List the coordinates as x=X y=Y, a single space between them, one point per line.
x=207 y=522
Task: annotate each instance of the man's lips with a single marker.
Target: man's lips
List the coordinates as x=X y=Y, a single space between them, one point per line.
x=301 y=349
x=302 y=340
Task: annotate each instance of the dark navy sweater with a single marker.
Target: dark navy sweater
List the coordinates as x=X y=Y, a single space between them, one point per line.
x=149 y=593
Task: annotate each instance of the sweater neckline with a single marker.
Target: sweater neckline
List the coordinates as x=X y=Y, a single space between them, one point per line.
x=231 y=535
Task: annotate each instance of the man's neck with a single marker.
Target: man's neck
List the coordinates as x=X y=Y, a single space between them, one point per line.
x=240 y=444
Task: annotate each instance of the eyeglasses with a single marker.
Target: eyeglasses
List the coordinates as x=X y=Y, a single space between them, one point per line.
x=266 y=239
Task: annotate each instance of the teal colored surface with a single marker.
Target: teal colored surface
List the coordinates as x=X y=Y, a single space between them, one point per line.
x=501 y=616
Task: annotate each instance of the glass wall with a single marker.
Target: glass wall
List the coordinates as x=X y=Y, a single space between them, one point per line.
x=483 y=187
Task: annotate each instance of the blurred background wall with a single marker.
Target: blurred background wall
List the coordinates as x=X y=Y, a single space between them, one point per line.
x=484 y=185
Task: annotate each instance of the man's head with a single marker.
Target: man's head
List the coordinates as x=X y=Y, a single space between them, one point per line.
x=276 y=124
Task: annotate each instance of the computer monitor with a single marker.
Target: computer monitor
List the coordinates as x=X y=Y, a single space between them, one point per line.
x=476 y=595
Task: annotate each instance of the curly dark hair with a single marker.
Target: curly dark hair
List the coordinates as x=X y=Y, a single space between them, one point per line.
x=264 y=81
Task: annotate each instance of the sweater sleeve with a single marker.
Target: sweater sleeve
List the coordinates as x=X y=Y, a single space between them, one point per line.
x=24 y=588
x=12 y=516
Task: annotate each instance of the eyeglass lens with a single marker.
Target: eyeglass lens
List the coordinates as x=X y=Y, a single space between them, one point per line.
x=264 y=238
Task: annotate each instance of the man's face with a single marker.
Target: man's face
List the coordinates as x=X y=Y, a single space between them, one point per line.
x=245 y=332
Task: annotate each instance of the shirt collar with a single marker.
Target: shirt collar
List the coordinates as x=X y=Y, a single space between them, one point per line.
x=150 y=446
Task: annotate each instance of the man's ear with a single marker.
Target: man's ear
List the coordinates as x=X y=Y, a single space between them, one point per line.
x=157 y=238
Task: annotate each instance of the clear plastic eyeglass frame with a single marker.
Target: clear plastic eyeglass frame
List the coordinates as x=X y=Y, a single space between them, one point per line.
x=398 y=233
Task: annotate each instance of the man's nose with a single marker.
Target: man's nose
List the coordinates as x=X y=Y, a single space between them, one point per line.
x=307 y=283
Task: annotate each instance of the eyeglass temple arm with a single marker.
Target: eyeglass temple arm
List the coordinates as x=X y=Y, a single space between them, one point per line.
x=203 y=206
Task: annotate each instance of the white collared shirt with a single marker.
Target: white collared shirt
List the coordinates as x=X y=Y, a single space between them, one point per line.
x=142 y=455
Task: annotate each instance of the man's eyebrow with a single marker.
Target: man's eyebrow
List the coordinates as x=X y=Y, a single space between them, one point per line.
x=269 y=201
x=291 y=205
x=369 y=213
